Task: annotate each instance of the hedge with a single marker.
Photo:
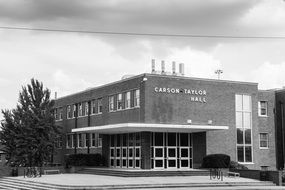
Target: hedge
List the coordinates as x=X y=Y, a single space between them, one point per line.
x=84 y=160
x=216 y=161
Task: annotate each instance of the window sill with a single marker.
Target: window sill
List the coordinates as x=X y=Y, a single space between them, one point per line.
x=124 y=109
x=263 y=148
x=94 y=114
x=247 y=163
x=263 y=116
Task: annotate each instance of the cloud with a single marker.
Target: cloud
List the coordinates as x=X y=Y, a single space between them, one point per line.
x=170 y=17
x=269 y=75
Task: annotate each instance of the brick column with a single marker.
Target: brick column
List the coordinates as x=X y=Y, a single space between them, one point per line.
x=145 y=150
x=106 y=149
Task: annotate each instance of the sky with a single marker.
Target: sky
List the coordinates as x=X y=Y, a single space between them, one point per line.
x=68 y=62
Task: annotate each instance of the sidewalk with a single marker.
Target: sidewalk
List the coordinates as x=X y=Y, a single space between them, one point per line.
x=100 y=180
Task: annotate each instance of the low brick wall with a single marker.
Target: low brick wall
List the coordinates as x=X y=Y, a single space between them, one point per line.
x=274 y=176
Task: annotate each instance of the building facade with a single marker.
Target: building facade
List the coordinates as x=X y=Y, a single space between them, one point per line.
x=154 y=121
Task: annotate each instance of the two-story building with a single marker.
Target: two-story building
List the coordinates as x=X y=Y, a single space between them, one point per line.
x=160 y=121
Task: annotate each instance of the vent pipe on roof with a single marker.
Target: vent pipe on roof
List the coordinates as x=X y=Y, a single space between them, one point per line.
x=162 y=67
x=55 y=95
x=173 y=68
x=153 y=66
x=181 y=69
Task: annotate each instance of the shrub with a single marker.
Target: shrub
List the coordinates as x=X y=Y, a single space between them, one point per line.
x=216 y=161
x=84 y=160
x=236 y=165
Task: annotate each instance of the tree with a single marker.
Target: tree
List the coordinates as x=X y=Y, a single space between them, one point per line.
x=29 y=131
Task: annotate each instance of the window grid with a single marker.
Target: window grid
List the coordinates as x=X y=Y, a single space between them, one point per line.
x=127 y=100
x=119 y=102
x=111 y=103
x=100 y=105
x=262 y=108
x=137 y=98
x=244 y=128
x=80 y=110
x=263 y=141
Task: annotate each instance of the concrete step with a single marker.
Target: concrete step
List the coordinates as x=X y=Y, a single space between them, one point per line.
x=16 y=183
x=124 y=173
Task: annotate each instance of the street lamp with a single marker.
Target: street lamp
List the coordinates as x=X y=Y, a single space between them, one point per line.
x=219 y=72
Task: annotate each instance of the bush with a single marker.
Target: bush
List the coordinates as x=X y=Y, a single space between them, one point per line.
x=84 y=160
x=216 y=161
x=236 y=165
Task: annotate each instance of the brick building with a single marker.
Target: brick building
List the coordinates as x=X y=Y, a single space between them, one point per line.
x=153 y=121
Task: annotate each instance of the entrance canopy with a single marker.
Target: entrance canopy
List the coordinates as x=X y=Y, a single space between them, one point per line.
x=139 y=127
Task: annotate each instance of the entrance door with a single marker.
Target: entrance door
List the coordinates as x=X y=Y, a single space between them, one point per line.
x=171 y=157
x=159 y=157
x=184 y=157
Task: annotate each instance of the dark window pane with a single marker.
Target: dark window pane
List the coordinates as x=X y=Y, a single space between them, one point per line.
x=137 y=152
x=171 y=152
x=158 y=139
x=118 y=163
x=124 y=152
x=124 y=139
x=158 y=152
x=130 y=163
x=138 y=139
x=248 y=136
x=158 y=163
x=112 y=140
x=171 y=139
x=137 y=163
x=112 y=153
x=130 y=153
x=171 y=163
x=240 y=154
x=184 y=163
x=118 y=152
x=184 y=153
x=183 y=139
x=124 y=162
x=248 y=156
x=118 y=140
x=239 y=136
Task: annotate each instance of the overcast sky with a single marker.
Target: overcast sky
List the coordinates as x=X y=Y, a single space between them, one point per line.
x=70 y=62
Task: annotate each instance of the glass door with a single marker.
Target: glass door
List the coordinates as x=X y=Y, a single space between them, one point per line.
x=158 y=157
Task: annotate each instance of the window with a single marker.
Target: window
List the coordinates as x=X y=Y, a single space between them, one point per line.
x=244 y=128
x=81 y=140
x=60 y=113
x=69 y=141
x=86 y=108
x=74 y=111
x=99 y=142
x=93 y=107
x=100 y=105
x=58 y=142
x=119 y=102
x=262 y=108
x=93 y=140
x=87 y=136
x=111 y=103
x=127 y=100
x=263 y=140
x=56 y=114
x=137 y=98
x=80 y=109
x=68 y=112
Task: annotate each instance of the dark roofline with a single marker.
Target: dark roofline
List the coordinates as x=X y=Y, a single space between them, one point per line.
x=158 y=75
x=101 y=86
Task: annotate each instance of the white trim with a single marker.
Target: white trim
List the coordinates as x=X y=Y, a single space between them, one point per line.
x=137 y=127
